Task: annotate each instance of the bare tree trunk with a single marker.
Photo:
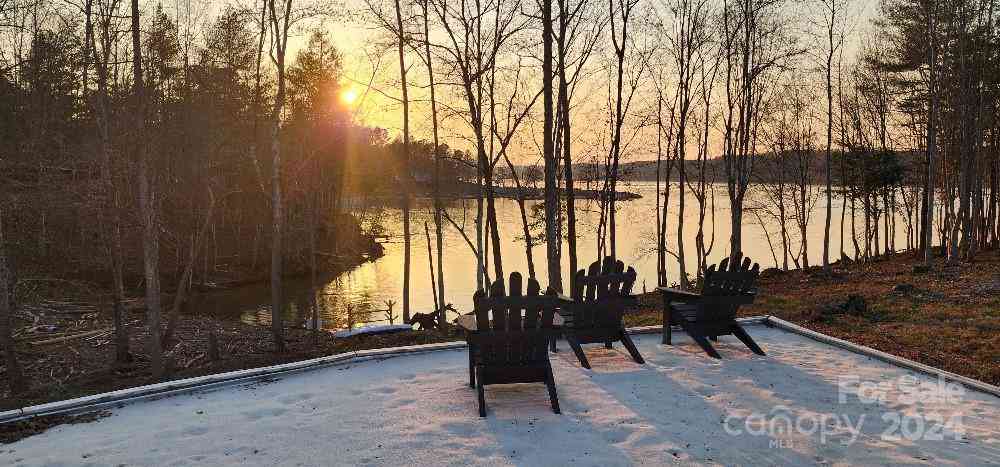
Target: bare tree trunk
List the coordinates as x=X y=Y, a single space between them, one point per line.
x=280 y=27
x=625 y=6
x=661 y=273
x=111 y=207
x=438 y=305
x=15 y=378
x=829 y=135
x=254 y=157
x=147 y=205
x=854 y=230
x=782 y=213
x=185 y=282
x=481 y=267
x=405 y=162
x=525 y=226
x=682 y=188
x=928 y=215
x=564 y=99
x=552 y=240
x=438 y=206
x=313 y=283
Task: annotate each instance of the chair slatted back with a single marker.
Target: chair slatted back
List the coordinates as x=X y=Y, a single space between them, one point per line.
x=597 y=294
x=727 y=287
x=513 y=329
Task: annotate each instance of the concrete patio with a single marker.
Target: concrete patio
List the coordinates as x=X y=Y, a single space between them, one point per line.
x=805 y=403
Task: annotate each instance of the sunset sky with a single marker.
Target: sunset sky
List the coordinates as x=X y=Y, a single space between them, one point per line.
x=369 y=51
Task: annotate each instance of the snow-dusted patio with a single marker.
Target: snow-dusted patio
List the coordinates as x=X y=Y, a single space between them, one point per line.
x=805 y=403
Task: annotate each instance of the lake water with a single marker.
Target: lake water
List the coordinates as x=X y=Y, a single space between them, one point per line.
x=360 y=295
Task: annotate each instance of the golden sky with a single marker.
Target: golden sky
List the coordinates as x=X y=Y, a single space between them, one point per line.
x=367 y=52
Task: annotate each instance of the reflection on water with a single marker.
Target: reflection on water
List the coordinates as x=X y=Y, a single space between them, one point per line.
x=362 y=294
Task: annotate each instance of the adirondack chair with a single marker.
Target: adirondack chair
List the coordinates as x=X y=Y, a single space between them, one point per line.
x=712 y=313
x=510 y=343
x=595 y=314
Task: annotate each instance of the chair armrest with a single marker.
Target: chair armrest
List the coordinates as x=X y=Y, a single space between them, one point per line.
x=563 y=298
x=670 y=294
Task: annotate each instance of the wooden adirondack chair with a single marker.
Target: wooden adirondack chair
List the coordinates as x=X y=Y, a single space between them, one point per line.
x=510 y=343
x=595 y=314
x=712 y=313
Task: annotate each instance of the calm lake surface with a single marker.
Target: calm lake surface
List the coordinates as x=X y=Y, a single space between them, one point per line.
x=360 y=296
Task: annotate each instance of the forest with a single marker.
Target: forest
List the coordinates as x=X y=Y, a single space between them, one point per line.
x=153 y=149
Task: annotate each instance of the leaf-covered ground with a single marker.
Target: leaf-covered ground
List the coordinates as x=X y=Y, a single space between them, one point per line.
x=948 y=317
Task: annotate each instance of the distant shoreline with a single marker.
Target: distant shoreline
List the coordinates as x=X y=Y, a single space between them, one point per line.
x=464 y=190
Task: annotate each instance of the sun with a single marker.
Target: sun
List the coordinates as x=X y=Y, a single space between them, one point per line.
x=349 y=96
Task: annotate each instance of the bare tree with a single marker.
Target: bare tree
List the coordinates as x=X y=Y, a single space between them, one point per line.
x=552 y=240
x=404 y=167
x=927 y=219
x=438 y=205
x=15 y=378
x=147 y=204
x=833 y=17
x=799 y=136
x=664 y=168
x=101 y=44
x=756 y=43
x=776 y=187
x=476 y=36
x=280 y=23
x=689 y=43
x=576 y=35
x=620 y=17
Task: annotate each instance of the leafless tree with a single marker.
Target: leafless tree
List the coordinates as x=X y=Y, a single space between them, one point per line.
x=689 y=43
x=438 y=204
x=280 y=21
x=834 y=15
x=757 y=42
x=100 y=46
x=476 y=38
x=147 y=203
x=15 y=379
x=549 y=156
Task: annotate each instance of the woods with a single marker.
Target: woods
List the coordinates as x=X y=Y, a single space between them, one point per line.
x=161 y=151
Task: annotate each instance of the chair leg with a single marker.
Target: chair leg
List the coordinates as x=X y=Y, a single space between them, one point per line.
x=552 y=344
x=608 y=345
x=714 y=338
x=667 y=322
x=632 y=350
x=746 y=339
x=482 y=398
x=472 y=370
x=550 y=382
x=573 y=344
x=705 y=345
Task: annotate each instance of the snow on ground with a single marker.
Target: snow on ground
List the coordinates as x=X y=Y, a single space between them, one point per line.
x=373 y=329
x=682 y=407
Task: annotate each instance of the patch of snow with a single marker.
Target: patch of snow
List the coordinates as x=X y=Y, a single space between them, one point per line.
x=682 y=407
x=373 y=329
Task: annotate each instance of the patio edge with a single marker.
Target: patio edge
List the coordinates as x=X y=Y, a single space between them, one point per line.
x=220 y=380
x=969 y=383
x=208 y=382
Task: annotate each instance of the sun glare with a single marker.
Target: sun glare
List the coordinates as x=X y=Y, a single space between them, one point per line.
x=349 y=96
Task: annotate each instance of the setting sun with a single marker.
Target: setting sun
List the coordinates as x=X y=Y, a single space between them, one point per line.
x=349 y=96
